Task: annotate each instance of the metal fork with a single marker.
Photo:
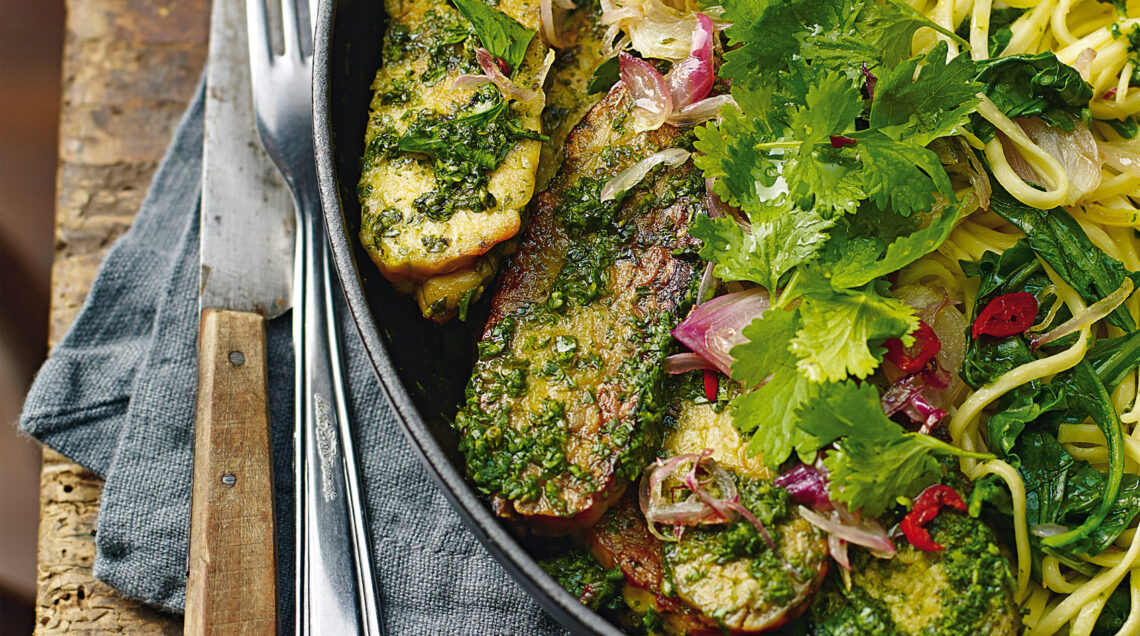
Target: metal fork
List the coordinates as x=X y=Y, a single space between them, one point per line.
x=335 y=582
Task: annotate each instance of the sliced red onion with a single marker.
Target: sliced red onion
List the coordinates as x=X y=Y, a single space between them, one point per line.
x=552 y=22
x=871 y=81
x=652 y=102
x=685 y=362
x=469 y=81
x=1083 y=63
x=850 y=528
x=908 y=395
x=1120 y=159
x=1091 y=314
x=805 y=485
x=661 y=32
x=713 y=328
x=493 y=74
x=702 y=111
x=1048 y=529
x=631 y=176
x=940 y=387
x=691 y=79
x=699 y=507
x=1075 y=150
x=708 y=284
x=838 y=549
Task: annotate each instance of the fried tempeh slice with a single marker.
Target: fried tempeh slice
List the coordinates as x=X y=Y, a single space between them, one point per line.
x=717 y=571
x=447 y=171
x=565 y=401
x=620 y=539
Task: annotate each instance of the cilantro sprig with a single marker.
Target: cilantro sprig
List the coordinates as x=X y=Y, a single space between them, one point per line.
x=840 y=189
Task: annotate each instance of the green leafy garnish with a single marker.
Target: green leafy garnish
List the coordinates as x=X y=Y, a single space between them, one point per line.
x=1034 y=86
x=930 y=106
x=769 y=412
x=764 y=254
x=876 y=460
x=842 y=333
x=1058 y=239
x=500 y=34
x=604 y=77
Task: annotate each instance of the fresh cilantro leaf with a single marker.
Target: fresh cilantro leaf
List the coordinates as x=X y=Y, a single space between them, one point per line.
x=501 y=34
x=727 y=152
x=816 y=170
x=889 y=27
x=901 y=252
x=930 y=106
x=765 y=253
x=768 y=413
x=842 y=333
x=870 y=475
x=1034 y=86
x=766 y=34
x=767 y=350
x=876 y=460
x=901 y=175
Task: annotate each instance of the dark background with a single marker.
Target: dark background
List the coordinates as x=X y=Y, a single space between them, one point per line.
x=31 y=41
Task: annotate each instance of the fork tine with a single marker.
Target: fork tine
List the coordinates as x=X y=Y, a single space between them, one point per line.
x=260 y=47
x=291 y=27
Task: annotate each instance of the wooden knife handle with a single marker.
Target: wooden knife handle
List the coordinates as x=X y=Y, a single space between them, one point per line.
x=232 y=586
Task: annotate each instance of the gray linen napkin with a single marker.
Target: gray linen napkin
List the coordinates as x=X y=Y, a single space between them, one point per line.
x=117 y=396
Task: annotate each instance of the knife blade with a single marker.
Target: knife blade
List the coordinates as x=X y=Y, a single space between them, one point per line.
x=246 y=278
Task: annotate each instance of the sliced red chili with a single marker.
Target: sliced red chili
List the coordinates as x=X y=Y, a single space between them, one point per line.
x=926 y=507
x=1006 y=315
x=913 y=359
x=840 y=141
x=712 y=384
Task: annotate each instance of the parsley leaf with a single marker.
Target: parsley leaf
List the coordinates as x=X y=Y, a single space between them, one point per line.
x=501 y=34
x=766 y=253
x=930 y=106
x=842 y=333
x=769 y=412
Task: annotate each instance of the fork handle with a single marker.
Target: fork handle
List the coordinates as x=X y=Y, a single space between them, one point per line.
x=339 y=587
x=232 y=585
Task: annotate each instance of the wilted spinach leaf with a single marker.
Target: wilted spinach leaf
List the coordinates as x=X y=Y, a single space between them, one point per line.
x=1057 y=237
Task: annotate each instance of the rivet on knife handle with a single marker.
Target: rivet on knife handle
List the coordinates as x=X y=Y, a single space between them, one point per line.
x=232 y=587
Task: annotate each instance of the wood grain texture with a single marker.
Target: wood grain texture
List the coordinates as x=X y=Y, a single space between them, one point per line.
x=129 y=68
x=232 y=588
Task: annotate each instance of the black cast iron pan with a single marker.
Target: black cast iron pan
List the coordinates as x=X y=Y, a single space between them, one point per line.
x=423 y=367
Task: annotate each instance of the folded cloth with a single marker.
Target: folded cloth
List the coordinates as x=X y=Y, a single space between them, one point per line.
x=117 y=396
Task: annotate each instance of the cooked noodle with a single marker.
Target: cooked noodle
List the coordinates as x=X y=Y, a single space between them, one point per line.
x=1087 y=35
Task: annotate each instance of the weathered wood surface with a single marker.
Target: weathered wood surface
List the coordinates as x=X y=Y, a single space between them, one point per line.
x=129 y=68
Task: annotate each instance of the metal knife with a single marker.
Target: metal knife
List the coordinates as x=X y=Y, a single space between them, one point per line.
x=247 y=255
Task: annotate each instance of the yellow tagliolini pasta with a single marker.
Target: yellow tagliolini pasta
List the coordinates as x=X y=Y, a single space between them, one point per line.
x=1092 y=37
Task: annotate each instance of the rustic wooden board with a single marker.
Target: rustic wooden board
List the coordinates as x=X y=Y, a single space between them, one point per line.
x=129 y=68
